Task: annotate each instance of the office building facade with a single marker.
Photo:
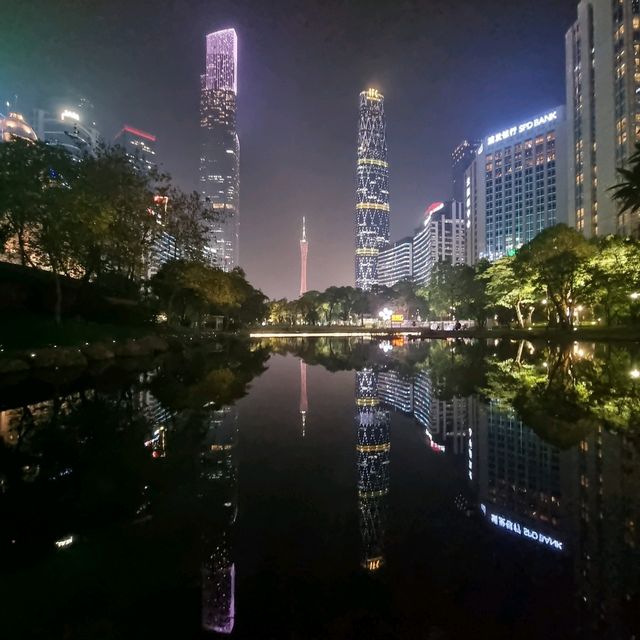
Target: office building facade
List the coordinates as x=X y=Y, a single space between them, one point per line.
x=220 y=151
x=516 y=186
x=139 y=146
x=441 y=239
x=68 y=124
x=603 y=111
x=395 y=263
x=372 y=191
x=461 y=159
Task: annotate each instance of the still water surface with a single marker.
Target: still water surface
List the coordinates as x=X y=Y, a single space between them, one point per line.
x=326 y=488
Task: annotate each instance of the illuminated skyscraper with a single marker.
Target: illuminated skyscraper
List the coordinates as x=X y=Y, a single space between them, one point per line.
x=372 y=194
x=373 y=467
x=603 y=111
x=220 y=156
x=304 y=249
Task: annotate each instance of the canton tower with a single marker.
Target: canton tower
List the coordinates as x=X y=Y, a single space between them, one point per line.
x=372 y=194
x=220 y=151
x=304 y=249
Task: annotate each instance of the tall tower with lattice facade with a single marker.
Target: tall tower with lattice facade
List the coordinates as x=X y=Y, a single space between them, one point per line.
x=373 y=449
x=372 y=194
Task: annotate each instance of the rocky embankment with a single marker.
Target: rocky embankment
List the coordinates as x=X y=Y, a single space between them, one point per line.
x=78 y=357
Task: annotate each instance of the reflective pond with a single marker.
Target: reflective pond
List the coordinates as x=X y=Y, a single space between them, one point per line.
x=326 y=488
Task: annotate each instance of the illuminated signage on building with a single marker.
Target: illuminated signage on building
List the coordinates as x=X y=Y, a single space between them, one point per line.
x=521 y=530
x=72 y=115
x=522 y=128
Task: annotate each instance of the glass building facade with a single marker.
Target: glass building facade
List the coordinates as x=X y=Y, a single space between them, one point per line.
x=516 y=186
x=372 y=192
x=220 y=152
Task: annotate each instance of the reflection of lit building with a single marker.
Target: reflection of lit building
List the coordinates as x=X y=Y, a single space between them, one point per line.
x=14 y=126
x=373 y=467
x=372 y=194
x=218 y=472
x=220 y=155
x=606 y=516
x=159 y=419
x=395 y=391
x=519 y=478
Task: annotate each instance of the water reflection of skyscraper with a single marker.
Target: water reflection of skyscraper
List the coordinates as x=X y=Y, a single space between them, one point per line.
x=373 y=467
x=218 y=473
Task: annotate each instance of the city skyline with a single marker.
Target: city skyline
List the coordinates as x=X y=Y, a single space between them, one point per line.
x=289 y=128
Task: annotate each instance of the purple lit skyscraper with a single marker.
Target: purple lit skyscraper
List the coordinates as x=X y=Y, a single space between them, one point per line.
x=220 y=152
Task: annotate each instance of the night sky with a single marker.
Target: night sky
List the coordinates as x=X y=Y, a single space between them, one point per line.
x=448 y=70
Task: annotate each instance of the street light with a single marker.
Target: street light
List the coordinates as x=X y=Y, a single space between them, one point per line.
x=385 y=314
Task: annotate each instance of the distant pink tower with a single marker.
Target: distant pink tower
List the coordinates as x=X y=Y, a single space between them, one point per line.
x=304 y=248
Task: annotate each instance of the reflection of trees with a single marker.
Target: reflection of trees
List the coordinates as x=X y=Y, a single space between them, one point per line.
x=564 y=391
x=79 y=460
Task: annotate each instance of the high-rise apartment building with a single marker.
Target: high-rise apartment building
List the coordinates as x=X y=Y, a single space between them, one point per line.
x=395 y=263
x=461 y=159
x=441 y=239
x=516 y=186
x=220 y=154
x=372 y=192
x=603 y=110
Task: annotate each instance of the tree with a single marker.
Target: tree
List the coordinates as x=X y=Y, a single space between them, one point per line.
x=450 y=288
x=511 y=284
x=557 y=258
x=27 y=171
x=613 y=276
x=627 y=194
x=331 y=299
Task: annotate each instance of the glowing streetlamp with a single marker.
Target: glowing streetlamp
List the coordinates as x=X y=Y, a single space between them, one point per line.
x=385 y=314
x=635 y=374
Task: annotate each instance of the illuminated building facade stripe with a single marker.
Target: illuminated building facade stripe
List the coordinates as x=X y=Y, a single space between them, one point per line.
x=372 y=191
x=220 y=152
